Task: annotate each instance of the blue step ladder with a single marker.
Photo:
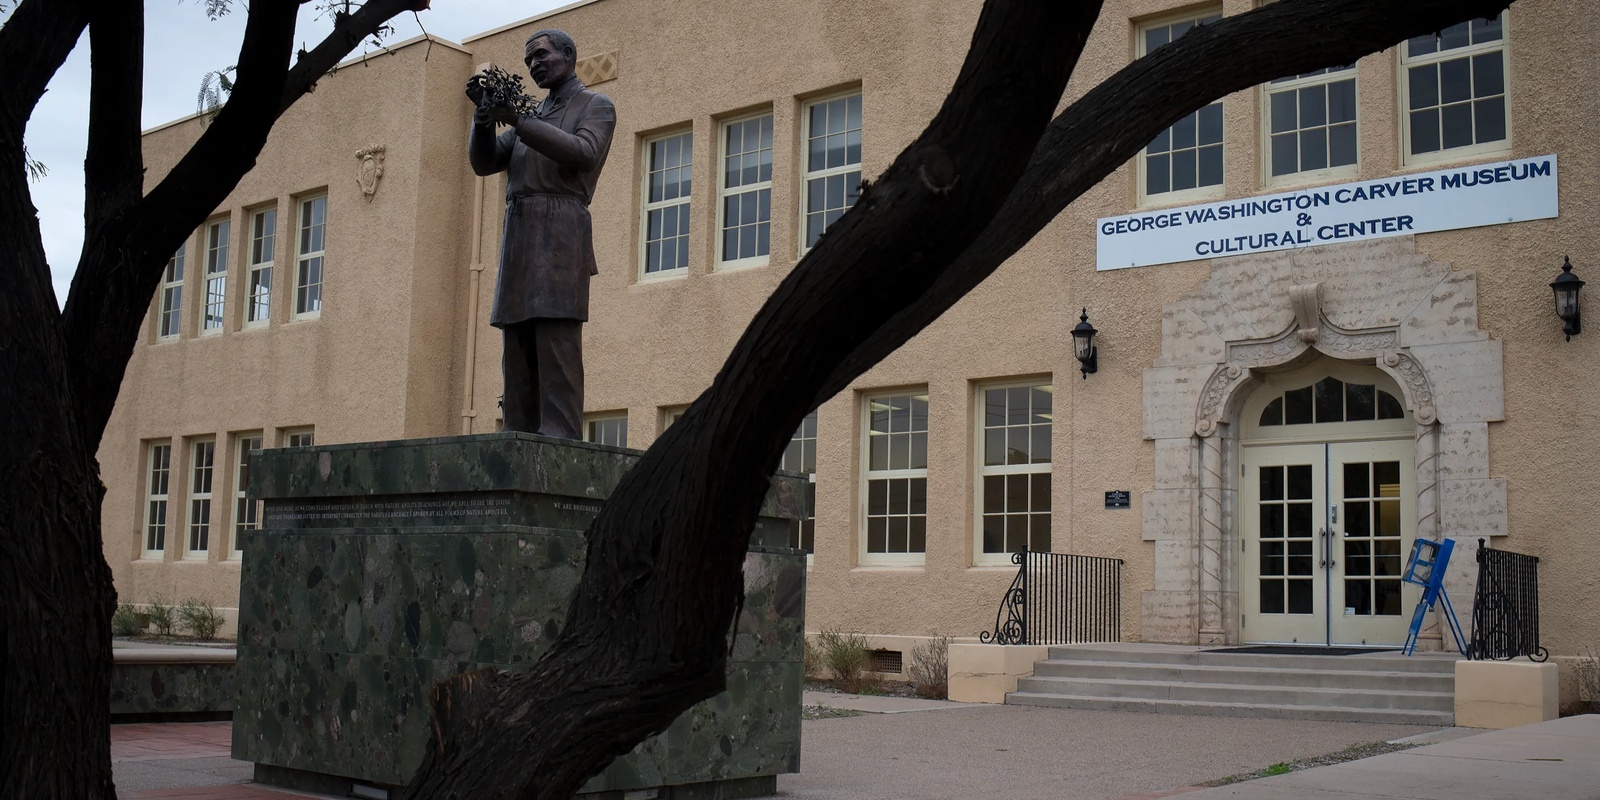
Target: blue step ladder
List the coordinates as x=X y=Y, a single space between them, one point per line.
x=1428 y=562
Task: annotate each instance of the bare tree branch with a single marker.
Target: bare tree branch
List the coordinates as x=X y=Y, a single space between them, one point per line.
x=644 y=638
x=348 y=31
x=34 y=43
x=1115 y=120
x=113 y=166
x=121 y=268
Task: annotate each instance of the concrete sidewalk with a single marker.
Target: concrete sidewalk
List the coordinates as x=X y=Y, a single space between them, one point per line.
x=1555 y=760
x=958 y=751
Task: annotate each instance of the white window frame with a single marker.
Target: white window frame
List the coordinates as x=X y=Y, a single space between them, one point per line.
x=1342 y=172
x=594 y=435
x=202 y=473
x=807 y=175
x=169 y=301
x=304 y=255
x=1404 y=62
x=1198 y=193
x=246 y=512
x=684 y=202
x=867 y=475
x=261 y=258
x=801 y=439
x=982 y=470
x=304 y=436
x=214 y=310
x=157 y=490
x=670 y=416
x=724 y=192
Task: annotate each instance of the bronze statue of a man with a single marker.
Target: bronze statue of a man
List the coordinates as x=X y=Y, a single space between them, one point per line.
x=552 y=158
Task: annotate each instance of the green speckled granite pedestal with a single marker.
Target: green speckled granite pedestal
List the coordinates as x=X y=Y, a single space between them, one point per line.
x=384 y=567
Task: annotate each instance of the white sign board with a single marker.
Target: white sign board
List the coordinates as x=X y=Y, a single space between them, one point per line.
x=1418 y=202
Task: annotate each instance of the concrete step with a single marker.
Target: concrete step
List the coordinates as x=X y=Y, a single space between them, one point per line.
x=1252 y=676
x=1242 y=694
x=1426 y=663
x=1266 y=711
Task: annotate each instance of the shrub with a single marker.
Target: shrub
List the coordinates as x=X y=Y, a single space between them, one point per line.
x=930 y=668
x=161 y=615
x=846 y=656
x=128 y=621
x=1588 y=672
x=200 y=617
x=812 y=661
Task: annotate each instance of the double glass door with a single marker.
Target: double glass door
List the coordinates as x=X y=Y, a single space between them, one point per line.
x=1325 y=530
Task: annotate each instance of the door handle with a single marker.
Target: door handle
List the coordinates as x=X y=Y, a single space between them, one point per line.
x=1322 y=549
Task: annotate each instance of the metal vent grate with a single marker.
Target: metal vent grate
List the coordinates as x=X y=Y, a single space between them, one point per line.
x=885 y=661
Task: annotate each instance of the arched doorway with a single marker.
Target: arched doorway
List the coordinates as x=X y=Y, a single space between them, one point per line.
x=1327 y=507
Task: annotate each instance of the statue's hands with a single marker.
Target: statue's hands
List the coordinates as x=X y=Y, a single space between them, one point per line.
x=502 y=115
x=475 y=89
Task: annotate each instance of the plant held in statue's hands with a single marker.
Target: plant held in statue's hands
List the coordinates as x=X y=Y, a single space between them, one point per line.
x=499 y=96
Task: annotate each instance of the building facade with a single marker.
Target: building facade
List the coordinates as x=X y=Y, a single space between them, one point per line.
x=1288 y=405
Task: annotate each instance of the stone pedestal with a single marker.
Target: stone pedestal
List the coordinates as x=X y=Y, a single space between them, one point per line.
x=384 y=567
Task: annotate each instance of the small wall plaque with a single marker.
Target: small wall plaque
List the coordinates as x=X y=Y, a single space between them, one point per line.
x=1118 y=499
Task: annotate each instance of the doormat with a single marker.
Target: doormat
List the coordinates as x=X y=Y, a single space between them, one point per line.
x=1301 y=650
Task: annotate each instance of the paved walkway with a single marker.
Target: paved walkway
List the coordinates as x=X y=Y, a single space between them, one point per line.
x=960 y=751
x=1555 y=760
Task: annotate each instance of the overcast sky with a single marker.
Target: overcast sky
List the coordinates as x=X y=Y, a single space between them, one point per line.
x=181 y=46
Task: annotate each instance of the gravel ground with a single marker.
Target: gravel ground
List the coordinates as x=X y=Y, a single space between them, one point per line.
x=1352 y=753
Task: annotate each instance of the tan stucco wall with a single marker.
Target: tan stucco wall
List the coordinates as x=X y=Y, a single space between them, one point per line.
x=388 y=357
x=373 y=365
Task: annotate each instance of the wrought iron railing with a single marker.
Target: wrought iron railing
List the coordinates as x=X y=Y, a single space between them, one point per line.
x=1058 y=598
x=1505 y=607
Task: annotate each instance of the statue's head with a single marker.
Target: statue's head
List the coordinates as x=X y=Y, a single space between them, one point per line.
x=551 y=56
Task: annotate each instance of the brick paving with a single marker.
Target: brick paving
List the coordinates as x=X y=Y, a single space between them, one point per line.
x=145 y=756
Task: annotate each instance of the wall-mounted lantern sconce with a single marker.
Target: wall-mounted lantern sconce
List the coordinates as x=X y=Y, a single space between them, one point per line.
x=1566 y=286
x=1083 y=345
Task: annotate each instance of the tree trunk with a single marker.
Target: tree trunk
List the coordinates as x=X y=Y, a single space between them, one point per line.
x=643 y=640
x=56 y=596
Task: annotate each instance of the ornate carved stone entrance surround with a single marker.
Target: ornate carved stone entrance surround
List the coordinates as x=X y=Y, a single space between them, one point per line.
x=1377 y=302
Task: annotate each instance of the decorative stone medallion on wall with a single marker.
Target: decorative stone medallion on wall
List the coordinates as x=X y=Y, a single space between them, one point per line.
x=598 y=68
x=1377 y=302
x=369 y=169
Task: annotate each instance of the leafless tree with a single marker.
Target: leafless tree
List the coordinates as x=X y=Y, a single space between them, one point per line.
x=644 y=637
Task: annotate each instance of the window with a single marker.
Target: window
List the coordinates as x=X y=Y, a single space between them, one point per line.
x=745 y=214
x=258 y=284
x=155 y=509
x=1454 y=90
x=1014 y=427
x=246 y=512
x=1185 y=160
x=200 y=467
x=801 y=456
x=1311 y=124
x=670 y=416
x=897 y=478
x=299 y=437
x=1332 y=400
x=309 y=264
x=832 y=178
x=666 y=204
x=171 y=298
x=216 y=276
x=610 y=429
